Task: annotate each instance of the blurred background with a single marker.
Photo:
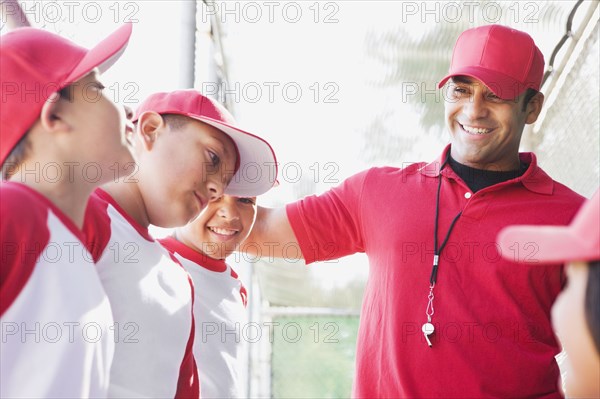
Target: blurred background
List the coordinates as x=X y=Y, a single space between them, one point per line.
x=336 y=87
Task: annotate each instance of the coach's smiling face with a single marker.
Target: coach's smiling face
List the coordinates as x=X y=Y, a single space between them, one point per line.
x=486 y=130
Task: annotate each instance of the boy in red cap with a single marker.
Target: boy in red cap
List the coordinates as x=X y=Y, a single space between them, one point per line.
x=576 y=312
x=56 y=146
x=443 y=315
x=220 y=297
x=188 y=151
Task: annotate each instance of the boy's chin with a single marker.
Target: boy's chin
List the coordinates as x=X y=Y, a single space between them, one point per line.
x=173 y=219
x=124 y=168
x=224 y=251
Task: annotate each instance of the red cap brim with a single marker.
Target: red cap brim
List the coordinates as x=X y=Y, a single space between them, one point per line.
x=104 y=54
x=501 y=85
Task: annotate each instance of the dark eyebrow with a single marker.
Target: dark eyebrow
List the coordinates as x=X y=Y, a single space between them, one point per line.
x=219 y=145
x=461 y=79
x=94 y=74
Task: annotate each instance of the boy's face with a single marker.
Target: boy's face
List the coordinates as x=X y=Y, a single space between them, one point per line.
x=100 y=128
x=486 y=130
x=569 y=321
x=181 y=168
x=221 y=226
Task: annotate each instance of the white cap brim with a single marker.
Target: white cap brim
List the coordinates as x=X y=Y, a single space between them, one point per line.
x=257 y=172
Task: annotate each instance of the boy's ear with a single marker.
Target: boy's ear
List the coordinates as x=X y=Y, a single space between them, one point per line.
x=150 y=124
x=50 y=117
x=534 y=107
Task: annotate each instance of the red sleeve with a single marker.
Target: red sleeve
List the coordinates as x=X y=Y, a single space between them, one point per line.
x=328 y=226
x=24 y=235
x=96 y=226
x=188 y=383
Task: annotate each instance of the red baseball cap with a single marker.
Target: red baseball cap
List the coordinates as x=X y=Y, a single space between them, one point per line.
x=580 y=241
x=36 y=64
x=256 y=168
x=506 y=60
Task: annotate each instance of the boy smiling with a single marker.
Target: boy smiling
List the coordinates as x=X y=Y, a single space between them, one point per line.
x=220 y=297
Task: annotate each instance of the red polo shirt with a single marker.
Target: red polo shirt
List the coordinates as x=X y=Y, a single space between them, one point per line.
x=492 y=317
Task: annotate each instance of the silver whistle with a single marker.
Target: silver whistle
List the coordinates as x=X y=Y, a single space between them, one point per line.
x=428 y=329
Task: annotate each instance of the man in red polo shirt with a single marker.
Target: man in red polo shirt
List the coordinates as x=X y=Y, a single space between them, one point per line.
x=444 y=315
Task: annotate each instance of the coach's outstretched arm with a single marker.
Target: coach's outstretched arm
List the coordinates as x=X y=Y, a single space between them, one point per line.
x=272 y=233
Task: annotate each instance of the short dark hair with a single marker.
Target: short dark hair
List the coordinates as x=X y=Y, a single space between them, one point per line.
x=66 y=93
x=15 y=157
x=176 y=121
x=592 y=302
x=19 y=152
x=529 y=94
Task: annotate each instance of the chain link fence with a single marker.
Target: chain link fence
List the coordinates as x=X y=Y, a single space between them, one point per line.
x=567 y=141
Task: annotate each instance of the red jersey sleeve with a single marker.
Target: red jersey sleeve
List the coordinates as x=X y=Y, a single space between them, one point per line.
x=329 y=226
x=23 y=236
x=96 y=226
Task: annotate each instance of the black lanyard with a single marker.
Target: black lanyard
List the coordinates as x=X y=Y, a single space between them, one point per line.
x=436 y=251
x=429 y=328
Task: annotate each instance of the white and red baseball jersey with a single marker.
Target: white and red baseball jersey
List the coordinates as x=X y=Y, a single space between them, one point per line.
x=220 y=314
x=151 y=296
x=57 y=337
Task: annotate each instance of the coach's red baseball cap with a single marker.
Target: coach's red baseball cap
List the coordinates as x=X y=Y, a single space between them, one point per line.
x=506 y=60
x=256 y=169
x=580 y=241
x=35 y=64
